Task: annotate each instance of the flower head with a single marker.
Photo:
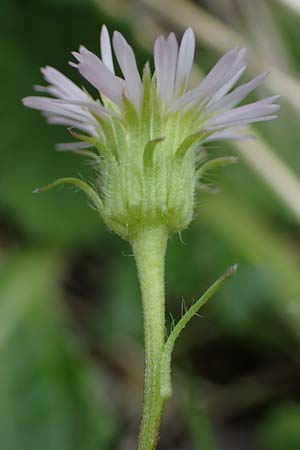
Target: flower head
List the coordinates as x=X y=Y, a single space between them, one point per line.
x=147 y=130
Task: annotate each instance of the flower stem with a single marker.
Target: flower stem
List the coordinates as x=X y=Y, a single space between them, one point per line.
x=149 y=248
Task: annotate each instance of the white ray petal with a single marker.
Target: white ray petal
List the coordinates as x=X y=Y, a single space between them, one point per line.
x=228 y=86
x=185 y=60
x=236 y=96
x=172 y=52
x=65 y=146
x=106 y=51
x=268 y=100
x=54 y=91
x=252 y=112
x=69 y=122
x=90 y=106
x=244 y=122
x=96 y=73
x=161 y=66
x=127 y=63
x=51 y=105
x=229 y=135
x=231 y=68
x=64 y=85
x=165 y=59
x=226 y=68
x=57 y=119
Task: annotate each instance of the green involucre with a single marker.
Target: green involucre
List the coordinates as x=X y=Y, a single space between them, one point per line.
x=147 y=171
x=148 y=167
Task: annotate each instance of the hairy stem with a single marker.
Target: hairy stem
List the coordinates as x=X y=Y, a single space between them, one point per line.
x=149 y=248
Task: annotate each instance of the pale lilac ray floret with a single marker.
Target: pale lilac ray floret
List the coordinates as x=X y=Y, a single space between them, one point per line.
x=213 y=99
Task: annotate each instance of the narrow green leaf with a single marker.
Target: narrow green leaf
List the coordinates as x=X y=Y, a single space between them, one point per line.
x=50 y=396
x=147 y=103
x=82 y=137
x=100 y=145
x=216 y=164
x=187 y=144
x=130 y=113
x=86 y=153
x=149 y=151
x=165 y=375
x=195 y=413
x=82 y=185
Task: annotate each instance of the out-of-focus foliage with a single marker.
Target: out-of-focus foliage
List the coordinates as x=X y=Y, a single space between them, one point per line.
x=280 y=429
x=49 y=396
x=245 y=347
x=122 y=314
x=197 y=418
x=34 y=34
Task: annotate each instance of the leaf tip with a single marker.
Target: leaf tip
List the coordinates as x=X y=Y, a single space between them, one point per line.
x=233 y=159
x=37 y=190
x=232 y=270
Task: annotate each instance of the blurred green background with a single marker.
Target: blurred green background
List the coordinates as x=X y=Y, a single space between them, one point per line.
x=71 y=352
